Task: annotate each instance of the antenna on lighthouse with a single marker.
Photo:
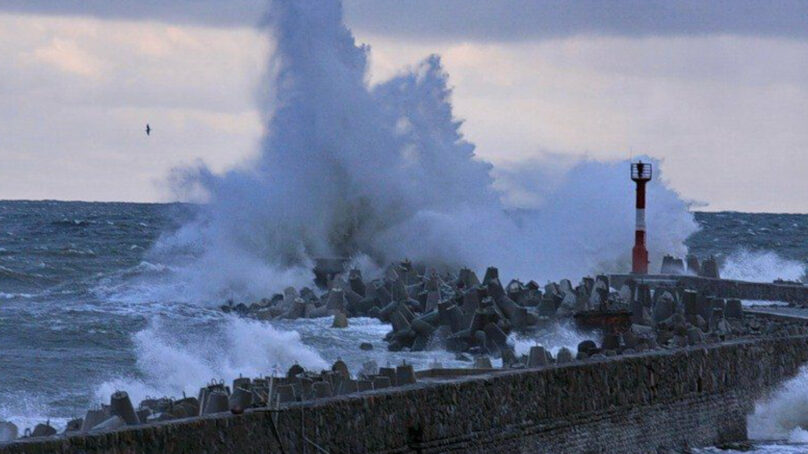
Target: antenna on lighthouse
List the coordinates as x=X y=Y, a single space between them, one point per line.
x=640 y=174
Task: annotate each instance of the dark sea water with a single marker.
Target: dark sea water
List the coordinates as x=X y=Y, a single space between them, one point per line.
x=71 y=332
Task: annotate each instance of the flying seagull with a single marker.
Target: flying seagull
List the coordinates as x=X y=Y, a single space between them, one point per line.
x=148 y=129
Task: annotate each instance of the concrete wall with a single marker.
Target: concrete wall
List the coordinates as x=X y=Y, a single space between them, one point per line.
x=726 y=288
x=630 y=404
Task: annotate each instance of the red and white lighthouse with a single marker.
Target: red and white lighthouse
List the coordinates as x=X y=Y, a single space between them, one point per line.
x=640 y=174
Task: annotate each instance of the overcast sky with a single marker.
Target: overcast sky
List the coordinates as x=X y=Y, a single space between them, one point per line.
x=717 y=90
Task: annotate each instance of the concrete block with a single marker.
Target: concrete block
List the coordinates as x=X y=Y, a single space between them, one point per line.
x=94 y=417
x=405 y=375
x=564 y=356
x=216 y=402
x=8 y=431
x=120 y=405
x=482 y=362
x=538 y=357
x=111 y=423
x=322 y=389
x=381 y=381
x=734 y=309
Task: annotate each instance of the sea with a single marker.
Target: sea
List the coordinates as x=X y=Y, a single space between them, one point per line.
x=75 y=324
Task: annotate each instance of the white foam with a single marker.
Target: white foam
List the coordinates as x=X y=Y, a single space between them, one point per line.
x=553 y=339
x=785 y=411
x=761 y=266
x=26 y=410
x=798 y=435
x=170 y=362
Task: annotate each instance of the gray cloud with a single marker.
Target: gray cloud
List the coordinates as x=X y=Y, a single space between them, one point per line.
x=508 y=20
x=500 y=20
x=189 y=12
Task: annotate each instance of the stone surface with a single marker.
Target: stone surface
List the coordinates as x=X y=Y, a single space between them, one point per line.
x=647 y=402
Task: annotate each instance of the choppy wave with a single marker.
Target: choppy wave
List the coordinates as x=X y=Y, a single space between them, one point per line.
x=26 y=409
x=784 y=415
x=559 y=335
x=761 y=266
x=9 y=296
x=173 y=358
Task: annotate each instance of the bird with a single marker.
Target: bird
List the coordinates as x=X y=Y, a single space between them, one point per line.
x=148 y=129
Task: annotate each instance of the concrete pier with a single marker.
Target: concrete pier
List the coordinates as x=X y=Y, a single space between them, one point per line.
x=723 y=288
x=636 y=403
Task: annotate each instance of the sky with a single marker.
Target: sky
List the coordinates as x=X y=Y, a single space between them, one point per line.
x=716 y=90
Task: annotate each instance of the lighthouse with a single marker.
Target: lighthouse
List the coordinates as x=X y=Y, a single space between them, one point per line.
x=640 y=174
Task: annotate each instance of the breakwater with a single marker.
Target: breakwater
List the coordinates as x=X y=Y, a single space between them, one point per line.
x=724 y=288
x=646 y=402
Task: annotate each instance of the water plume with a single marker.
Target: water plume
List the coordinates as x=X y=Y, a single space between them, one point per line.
x=384 y=173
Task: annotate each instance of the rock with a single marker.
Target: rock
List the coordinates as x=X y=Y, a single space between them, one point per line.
x=690 y=299
x=240 y=400
x=672 y=265
x=496 y=335
x=285 y=393
x=111 y=423
x=482 y=362
x=611 y=342
x=664 y=307
x=8 y=431
x=366 y=346
x=423 y=327
x=335 y=300
x=74 y=425
x=340 y=320
x=709 y=268
x=733 y=309
x=538 y=357
x=120 y=405
x=419 y=344
x=630 y=340
x=462 y=357
x=492 y=273
x=322 y=389
x=380 y=382
x=508 y=357
x=481 y=342
x=390 y=373
x=184 y=408
x=468 y=278
x=694 y=336
x=355 y=282
x=587 y=347
x=548 y=307
x=564 y=356
x=241 y=382
x=348 y=386
x=341 y=369
x=693 y=266
x=405 y=375
x=216 y=402
x=294 y=371
x=722 y=328
x=369 y=369
x=94 y=417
